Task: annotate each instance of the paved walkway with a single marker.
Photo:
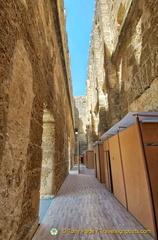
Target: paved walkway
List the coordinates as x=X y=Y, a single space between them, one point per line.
x=83 y=204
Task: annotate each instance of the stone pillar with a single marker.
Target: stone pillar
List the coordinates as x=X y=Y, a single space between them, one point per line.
x=48 y=145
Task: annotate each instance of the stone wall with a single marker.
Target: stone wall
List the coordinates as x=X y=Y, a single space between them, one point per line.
x=80 y=124
x=35 y=81
x=122 y=72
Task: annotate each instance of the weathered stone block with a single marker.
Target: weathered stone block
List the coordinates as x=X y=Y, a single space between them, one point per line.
x=34 y=157
x=28 y=218
x=48 y=157
x=36 y=132
x=35 y=64
x=32 y=186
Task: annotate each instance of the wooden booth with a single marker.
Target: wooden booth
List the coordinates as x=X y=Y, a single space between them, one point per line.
x=131 y=166
x=88 y=160
x=99 y=161
x=76 y=159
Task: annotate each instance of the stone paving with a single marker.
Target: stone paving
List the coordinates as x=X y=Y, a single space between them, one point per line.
x=83 y=209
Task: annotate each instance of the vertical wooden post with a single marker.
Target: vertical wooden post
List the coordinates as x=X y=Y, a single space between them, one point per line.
x=123 y=173
x=99 y=161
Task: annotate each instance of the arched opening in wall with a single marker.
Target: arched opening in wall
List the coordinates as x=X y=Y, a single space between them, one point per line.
x=47 y=189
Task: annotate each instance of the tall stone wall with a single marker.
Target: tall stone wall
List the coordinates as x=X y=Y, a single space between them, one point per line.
x=35 y=80
x=122 y=72
x=80 y=124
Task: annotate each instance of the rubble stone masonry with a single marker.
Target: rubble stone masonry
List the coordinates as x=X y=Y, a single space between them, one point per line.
x=36 y=106
x=123 y=62
x=80 y=124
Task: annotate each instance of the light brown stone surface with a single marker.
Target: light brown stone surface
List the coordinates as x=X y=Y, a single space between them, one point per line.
x=48 y=163
x=34 y=78
x=122 y=70
x=80 y=124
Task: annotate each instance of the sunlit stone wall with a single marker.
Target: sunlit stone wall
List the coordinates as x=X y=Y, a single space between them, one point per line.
x=122 y=70
x=35 y=80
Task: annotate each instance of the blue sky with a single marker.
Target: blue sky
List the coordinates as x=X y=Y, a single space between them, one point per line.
x=79 y=15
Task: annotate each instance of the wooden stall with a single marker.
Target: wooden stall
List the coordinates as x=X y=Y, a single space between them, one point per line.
x=136 y=180
x=131 y=166
x=88 y=159
x=119 y=189
x=99 y=161
x=150 y=141
x=76 y=159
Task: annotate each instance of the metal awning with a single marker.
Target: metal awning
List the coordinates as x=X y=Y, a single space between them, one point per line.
x=129 y=120
x=97 y=143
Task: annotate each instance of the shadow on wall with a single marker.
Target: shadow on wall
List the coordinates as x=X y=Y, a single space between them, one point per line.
x=92 y=134
x=103 y=124
x=111 y=88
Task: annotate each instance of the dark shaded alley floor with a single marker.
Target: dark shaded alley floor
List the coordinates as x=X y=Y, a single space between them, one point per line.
x=84 y=203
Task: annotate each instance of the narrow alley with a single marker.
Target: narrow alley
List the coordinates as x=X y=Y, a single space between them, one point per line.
x=82 y=204
x=110 y=127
